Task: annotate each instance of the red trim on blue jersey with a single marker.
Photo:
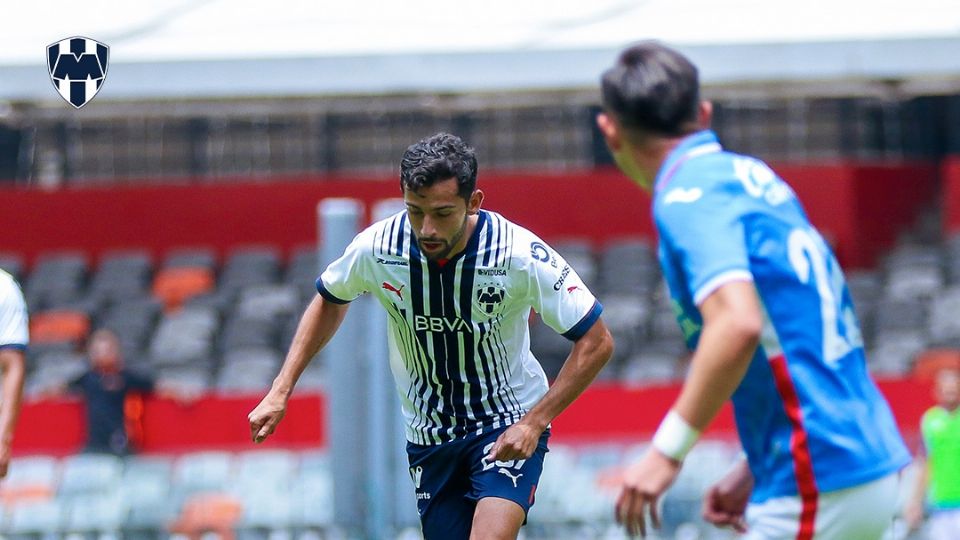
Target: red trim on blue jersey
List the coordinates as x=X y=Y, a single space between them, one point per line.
x=802 y=462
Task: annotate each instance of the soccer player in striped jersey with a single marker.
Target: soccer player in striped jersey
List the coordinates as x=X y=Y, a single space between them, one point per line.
x=458 y=284
x=764 y=306
x=14 y=337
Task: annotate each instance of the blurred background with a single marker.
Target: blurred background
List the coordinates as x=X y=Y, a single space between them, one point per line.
x=179 y=210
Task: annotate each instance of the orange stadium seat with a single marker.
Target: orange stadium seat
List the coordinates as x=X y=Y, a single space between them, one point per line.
x=930 y=362
x=174 y=286
x=59 y=325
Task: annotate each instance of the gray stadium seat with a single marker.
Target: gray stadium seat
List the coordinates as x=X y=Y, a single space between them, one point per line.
x=31 y=519
x=250 y=266
x=184 y=337
x=90 y=474
x=203 y=257
x=268 y=302
x=104 y=513
x=122 y=275
x=58 y=278
x=203 y=471
x=13 y=264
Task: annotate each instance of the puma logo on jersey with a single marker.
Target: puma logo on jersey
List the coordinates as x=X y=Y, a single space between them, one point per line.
x=440 y=324
x=393 y=289
x=571 y=289
x=680 y=195
x=512 y=477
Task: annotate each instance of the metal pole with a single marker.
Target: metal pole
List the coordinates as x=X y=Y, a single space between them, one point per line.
x=339 y=221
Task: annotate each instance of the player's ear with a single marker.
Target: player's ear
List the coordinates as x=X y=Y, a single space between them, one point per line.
x=705 y=114
x=473 y=204
x=610 y=131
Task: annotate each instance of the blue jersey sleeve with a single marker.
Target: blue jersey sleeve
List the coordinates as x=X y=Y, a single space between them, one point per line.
x=703 y=232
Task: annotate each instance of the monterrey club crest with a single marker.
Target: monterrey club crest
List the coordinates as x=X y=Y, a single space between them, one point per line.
x=78 y=67
x=490 y=297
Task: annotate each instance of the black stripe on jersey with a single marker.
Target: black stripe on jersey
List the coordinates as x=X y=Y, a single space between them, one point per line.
x=489 y=246
x=472 y=375
x=493 y=377
x=401 y=235
x=417 y=302
x=413 y=361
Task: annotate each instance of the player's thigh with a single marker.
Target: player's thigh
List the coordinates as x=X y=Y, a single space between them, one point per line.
x=441 y=483
x=512 y=480
x=497 y=519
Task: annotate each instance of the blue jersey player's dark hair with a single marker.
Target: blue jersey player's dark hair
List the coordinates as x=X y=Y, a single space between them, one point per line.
x=654 y=89
x=437 y=158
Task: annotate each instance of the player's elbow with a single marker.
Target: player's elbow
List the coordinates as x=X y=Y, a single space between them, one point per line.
x=600 y=343
x=746 y=327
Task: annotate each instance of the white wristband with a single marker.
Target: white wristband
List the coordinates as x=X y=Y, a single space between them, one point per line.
x=675 y=437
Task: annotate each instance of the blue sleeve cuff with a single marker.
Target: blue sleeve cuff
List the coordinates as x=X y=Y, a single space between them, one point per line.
x=585 y=323
x=327 y=295
x=15 y=346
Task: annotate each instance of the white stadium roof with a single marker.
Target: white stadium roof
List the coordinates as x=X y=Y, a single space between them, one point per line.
x=223 y=48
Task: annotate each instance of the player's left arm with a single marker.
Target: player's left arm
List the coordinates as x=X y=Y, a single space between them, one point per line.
x=12 y=365
x=587 y=357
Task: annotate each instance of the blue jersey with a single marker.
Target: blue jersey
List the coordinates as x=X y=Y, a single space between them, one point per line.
x=810 y=418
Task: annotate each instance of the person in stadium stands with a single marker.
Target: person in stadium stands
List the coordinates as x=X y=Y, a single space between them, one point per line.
x=14 y=337
x=458 y=283
x=105 y=386
x=763 y=304
x=938 y=474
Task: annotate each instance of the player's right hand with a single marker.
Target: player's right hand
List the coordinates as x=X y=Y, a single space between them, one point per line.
x=725 y=503
x=265 y=416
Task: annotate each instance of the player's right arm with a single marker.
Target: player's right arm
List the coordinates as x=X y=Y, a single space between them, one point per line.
x=14 y=337
x=319 y=323
x=342 y=281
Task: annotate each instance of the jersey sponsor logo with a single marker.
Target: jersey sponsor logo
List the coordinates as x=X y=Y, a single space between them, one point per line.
x=563 y=277
x=77 y=67
x=440 y=324
x=490 y=296
x=390 y=287
x=760 y=181
x=681 y=195
x=496 y=272
x=392 y=262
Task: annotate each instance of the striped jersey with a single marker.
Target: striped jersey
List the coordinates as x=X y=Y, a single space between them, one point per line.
x=13 y=314
x=810 y=418
x=458 y=333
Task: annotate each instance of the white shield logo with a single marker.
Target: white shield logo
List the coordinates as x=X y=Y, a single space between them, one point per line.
x=78 y=67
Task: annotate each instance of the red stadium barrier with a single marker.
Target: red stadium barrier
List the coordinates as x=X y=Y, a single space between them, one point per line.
x=605 y=412
x=858 y=206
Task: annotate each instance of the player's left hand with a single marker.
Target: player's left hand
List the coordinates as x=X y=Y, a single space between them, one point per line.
x=519 y=441
x=644 y=483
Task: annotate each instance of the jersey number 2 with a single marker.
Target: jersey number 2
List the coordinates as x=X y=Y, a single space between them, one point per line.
x=808 y=255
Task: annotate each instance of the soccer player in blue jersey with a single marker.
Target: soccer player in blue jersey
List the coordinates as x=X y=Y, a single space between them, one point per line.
x=458 y=284
x=14 y=335
x=764 y=306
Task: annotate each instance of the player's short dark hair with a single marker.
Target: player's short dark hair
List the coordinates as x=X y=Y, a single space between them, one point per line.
x=653 y=88
x=436 y=158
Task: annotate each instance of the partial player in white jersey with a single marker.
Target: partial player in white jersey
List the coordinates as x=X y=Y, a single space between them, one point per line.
x=14 y=337
x=458 y=284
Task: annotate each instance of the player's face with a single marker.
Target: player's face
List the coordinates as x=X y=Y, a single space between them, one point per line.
x=948 y=390
x=440 y=218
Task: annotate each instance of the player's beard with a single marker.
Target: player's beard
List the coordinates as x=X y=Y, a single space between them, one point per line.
x=447 y=245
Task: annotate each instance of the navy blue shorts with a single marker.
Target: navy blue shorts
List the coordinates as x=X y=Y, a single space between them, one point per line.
x=451 y=477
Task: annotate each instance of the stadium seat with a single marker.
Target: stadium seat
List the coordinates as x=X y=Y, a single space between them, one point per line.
x=244 y=332
x=29 y=520
x=250 y=266
x=250 y=368
x=174 y=286
x=30 y=479
x=203 y=471
x=122 y=275
x=268 y=302
x=90 y=475
x=194 y=257
x=57 y=278
x=59 y=326
x=104 y=513
x=53 y=372
x=184 y=337
x=12 y=264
